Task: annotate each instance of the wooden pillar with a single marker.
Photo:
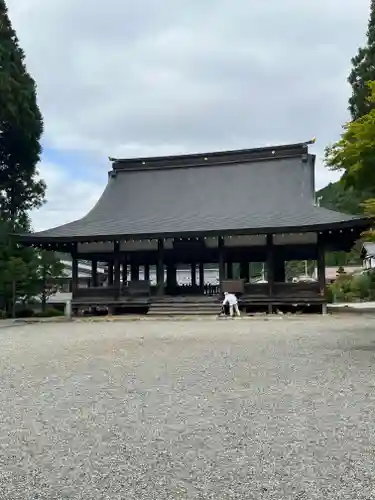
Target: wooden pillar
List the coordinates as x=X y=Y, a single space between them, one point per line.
x=160 y=268
x=110 y=273
x=171 y=277
x=201 y=275
x=221 y=258
x=230 y=270
x=279 y=268
x=134 y=272
x=244 y=271
x=94 y=272
x=147 y=272
x=124 y=271
x=117 y=267
x=193 y=270
x=321 y=265
x=270 y=268
x=74 y=269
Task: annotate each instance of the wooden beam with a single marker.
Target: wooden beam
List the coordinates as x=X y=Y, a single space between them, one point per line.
x=147 y=272
x=229 y=270
x=74 y=269
x=220 y=245
x=124 y=270
x=193 y=270
x=171 y=276
x=110 y=273
x=279 y=268
x=245 y=271
x=321 y=265
x=201 y=275
x=160 y=268
x=270 y=263
x=94 y=272
x=117 y=268
x=134 y=272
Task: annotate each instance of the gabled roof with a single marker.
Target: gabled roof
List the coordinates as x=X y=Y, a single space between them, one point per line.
x=246 y=191
x=368 y=249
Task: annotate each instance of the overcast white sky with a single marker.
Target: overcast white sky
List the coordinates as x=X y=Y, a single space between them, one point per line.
x=143 y=77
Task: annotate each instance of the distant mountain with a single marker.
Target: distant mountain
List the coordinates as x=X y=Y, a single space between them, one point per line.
x=335 y=197
x=347 y=201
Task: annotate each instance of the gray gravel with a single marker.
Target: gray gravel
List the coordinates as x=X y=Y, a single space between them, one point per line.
x=279 y=409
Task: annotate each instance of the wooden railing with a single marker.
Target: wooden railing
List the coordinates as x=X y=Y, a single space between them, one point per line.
x=282 y=289
x=131 y=289
x=256 y=289
x=144 y=289
x=188 y=289
x=95 y=292
x=309 y=289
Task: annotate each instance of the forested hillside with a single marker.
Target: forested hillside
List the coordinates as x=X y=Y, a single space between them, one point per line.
x=335 y=197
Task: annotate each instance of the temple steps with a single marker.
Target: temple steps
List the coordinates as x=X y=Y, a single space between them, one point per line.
x=180 y=306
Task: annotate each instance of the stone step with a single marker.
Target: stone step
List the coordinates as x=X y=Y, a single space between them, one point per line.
x=184 y=309
x=208 y=300
x=187 y=305
x=183 y=312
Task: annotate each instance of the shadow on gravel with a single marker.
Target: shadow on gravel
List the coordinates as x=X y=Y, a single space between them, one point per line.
x=369 y=347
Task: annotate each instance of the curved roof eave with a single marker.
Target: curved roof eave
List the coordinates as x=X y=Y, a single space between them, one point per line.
x=355 y=223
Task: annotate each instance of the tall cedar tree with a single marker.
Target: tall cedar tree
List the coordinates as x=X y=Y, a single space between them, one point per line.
x=21 y=127
x=343 y=195
x=363 y=72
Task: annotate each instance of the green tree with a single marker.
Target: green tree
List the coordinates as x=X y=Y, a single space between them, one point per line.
x=335 y=196
x=354 y=152
x=21 y=127
x=21 y=189
x=25 y=273
x=18 y=271
x=344 y=195
x=49 y=272
x=363 y=72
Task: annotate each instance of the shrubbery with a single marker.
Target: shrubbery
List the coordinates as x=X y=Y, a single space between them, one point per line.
x=24 y=313
x=352 y=287
x=49 y=313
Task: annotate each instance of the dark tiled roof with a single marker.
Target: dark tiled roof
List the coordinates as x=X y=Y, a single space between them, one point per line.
x=257 y=194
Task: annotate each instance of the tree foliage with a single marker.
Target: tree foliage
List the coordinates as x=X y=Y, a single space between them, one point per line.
x=21 y=127
x=24 y=272
x=335 y=196
x=354 y=152
x=363 y=71
x=355 y=190
x=17 y=271
x=352 y=287
x=49 y=271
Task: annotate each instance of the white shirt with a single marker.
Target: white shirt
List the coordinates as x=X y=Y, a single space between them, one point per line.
x=230 y=299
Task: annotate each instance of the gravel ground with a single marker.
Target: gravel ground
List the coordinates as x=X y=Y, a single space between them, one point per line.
x=244 y=409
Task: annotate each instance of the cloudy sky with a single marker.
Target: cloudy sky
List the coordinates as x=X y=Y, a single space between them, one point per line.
x=144 y=77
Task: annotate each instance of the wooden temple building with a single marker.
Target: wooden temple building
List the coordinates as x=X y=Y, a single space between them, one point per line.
x=251 y=205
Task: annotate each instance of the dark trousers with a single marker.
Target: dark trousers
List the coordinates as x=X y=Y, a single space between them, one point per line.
x=226 y=309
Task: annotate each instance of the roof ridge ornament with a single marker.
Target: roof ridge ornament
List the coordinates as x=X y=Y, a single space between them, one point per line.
x=311 y=141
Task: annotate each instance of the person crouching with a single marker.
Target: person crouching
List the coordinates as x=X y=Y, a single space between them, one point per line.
x=231 y=300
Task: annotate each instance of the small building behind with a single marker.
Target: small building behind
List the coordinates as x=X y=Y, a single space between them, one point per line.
x=368 y=255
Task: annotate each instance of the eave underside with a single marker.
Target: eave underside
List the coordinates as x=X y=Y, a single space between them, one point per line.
x=339 y=236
